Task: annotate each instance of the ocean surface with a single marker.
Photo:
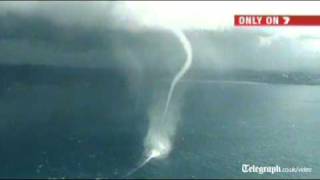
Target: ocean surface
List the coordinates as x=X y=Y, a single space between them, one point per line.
x=96 y=130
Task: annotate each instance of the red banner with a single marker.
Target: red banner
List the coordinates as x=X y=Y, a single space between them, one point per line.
x=276 y=20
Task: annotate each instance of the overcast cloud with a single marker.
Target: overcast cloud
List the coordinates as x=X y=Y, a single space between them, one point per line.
x=103 y=34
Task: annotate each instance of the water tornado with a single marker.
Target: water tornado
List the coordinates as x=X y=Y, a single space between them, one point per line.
x=188 y=50
x=158 y=140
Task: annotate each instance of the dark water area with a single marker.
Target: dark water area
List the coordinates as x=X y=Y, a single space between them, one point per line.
x=91 y=125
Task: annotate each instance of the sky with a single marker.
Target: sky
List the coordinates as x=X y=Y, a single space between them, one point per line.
x=136 y=34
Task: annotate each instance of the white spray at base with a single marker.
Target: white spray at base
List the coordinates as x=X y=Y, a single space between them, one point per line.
x=159 y=137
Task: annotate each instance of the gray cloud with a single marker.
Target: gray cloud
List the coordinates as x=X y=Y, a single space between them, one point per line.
x=85 y=34
x=63 y=13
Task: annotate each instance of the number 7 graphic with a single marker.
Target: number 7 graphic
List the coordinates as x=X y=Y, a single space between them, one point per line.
x=286 y=19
